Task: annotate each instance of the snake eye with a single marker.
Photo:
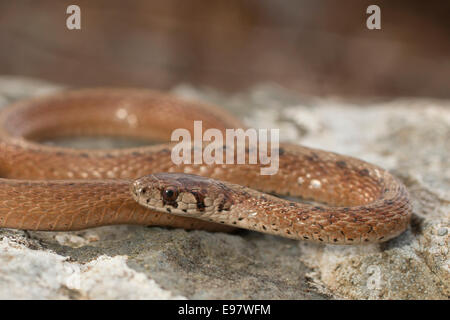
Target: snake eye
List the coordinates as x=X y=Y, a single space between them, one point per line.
x=170 y=194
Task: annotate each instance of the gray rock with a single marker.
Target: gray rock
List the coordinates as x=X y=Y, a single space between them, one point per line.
x=409 y=137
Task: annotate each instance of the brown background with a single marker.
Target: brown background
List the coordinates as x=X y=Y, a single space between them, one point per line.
x=315 y=47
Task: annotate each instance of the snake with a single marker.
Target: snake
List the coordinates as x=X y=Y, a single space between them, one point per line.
x=343 y=200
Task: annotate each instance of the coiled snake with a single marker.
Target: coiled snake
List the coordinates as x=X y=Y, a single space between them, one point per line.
x=45 y=187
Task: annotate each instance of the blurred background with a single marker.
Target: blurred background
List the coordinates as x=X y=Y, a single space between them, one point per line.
x=313 y=47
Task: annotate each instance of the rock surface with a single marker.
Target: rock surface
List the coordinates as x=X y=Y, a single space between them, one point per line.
x=409 y=137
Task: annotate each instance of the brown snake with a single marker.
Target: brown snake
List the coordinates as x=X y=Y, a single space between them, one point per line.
x=44 y=187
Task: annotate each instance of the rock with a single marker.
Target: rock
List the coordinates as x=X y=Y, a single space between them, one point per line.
x=410 y=137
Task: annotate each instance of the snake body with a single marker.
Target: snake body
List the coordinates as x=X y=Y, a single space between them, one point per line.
x=45 y=187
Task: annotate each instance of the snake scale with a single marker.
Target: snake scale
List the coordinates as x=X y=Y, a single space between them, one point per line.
x=45 y=187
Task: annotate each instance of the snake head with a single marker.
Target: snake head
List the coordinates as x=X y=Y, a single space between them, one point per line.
x=182 y=194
